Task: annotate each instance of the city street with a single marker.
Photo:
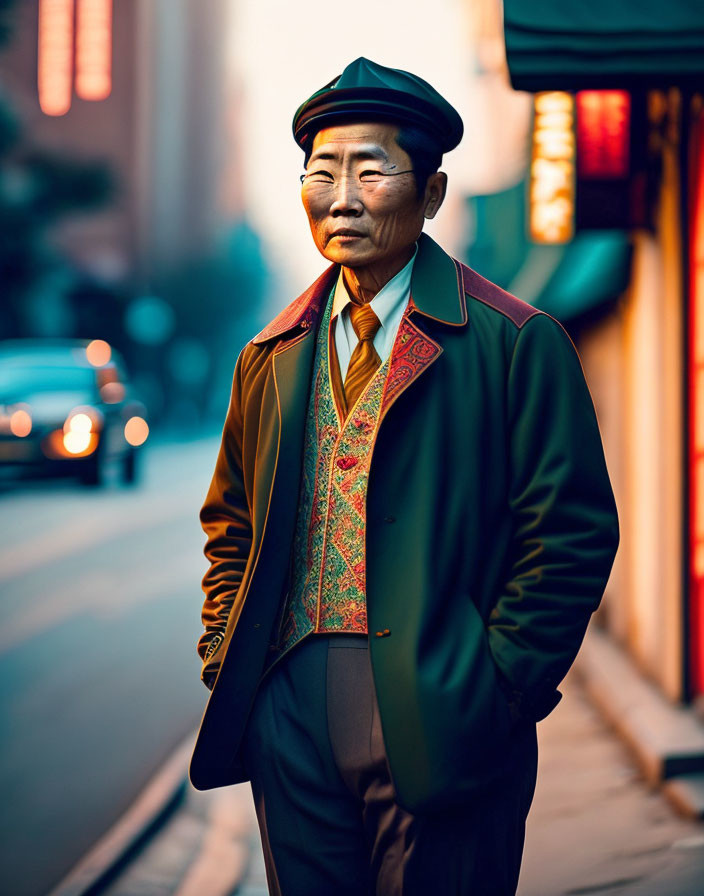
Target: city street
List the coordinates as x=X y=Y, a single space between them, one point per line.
x=99 y=678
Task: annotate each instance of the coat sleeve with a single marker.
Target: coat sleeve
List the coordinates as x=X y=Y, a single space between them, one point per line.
x=565 y=523
x=226 y=521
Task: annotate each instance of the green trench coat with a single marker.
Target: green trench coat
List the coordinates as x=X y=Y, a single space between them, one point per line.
x=491 y=530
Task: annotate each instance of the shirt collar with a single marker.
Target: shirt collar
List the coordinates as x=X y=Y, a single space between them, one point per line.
x=388 y=297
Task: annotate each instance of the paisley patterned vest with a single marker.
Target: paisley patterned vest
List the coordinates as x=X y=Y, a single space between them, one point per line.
x=327 y=586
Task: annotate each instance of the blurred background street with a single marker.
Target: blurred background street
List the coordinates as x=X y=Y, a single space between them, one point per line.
x=98 y=676
x=151 y=224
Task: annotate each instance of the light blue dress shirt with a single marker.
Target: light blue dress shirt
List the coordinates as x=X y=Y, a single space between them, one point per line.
x=388 y=305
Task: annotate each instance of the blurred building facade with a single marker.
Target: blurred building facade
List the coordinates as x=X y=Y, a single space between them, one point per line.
x=161 y=127
x=633 y=83
x=168 y=267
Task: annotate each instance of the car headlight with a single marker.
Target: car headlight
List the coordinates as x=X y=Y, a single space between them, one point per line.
x=81 y=429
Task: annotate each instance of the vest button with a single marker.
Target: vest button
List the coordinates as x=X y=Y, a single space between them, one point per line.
x=346 y=463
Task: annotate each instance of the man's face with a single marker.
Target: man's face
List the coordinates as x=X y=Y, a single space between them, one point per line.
x=358 y=214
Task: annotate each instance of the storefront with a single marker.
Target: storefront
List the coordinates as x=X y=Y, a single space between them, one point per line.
x=623 y=212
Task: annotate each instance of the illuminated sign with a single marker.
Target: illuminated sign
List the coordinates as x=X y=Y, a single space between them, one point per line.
x=696 y=408
x=603 y=133
x=552 y=169
x=93 y=52
x=55 y=56
x=93 y=49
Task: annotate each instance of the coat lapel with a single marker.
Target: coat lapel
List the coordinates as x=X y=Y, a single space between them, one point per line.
x=437 y=288
x=283 y=415
x=437 y=293
x=293 y=359
x=413 y=352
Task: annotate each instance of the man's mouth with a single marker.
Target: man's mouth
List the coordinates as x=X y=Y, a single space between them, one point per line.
x=346 y=232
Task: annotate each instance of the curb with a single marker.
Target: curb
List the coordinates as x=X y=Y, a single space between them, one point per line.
x=686 y=794
x=159 y=798
x=666 y=739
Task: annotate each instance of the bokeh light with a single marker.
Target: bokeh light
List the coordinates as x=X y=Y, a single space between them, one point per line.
x=20 y=423
x=78 y=423
x=76 y=441
x=150 y=320
x=93 y=49
x=111 y=393
x=55 y=56
x=136 y=431
x=98 y=352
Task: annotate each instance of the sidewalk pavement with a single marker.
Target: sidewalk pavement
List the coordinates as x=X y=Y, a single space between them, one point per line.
x=209 y=847
x=596 y=826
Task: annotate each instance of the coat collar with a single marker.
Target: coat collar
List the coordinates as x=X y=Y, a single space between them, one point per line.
x=437 y=291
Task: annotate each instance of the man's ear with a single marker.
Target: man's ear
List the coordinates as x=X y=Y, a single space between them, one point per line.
x=434 y=193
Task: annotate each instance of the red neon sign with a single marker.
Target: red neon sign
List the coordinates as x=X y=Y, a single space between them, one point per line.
x=603 y=133
x=696 y=412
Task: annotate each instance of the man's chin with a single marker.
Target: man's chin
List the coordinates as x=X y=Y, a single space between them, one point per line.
x=347 y=256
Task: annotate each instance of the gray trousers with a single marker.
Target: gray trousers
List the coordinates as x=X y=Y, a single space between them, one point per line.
x=325 y=801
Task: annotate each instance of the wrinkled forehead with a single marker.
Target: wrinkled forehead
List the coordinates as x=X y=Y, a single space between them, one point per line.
x=363 y=140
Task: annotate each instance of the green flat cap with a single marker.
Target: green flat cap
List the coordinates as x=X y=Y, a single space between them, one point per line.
x=368 y=91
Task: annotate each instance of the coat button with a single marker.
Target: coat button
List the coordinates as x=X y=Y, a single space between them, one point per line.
x=383 y=634
x=389 y=519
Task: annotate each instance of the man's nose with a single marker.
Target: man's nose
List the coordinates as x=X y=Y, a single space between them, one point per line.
x=346 y=197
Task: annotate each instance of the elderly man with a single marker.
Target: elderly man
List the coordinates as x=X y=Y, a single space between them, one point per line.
x=409 y=525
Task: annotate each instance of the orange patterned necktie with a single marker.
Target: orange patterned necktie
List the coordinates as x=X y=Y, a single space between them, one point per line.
x=365 y=359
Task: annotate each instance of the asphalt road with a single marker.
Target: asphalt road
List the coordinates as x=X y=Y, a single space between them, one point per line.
x=99 y=679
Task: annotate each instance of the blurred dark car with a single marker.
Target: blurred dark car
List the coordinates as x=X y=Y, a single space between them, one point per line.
x=66 y=408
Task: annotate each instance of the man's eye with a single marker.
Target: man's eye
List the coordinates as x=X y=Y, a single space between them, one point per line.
x=371 y=176
x=319 y=177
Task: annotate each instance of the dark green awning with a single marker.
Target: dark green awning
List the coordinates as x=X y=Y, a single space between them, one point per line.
x=553 y=45
x=571 y=280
